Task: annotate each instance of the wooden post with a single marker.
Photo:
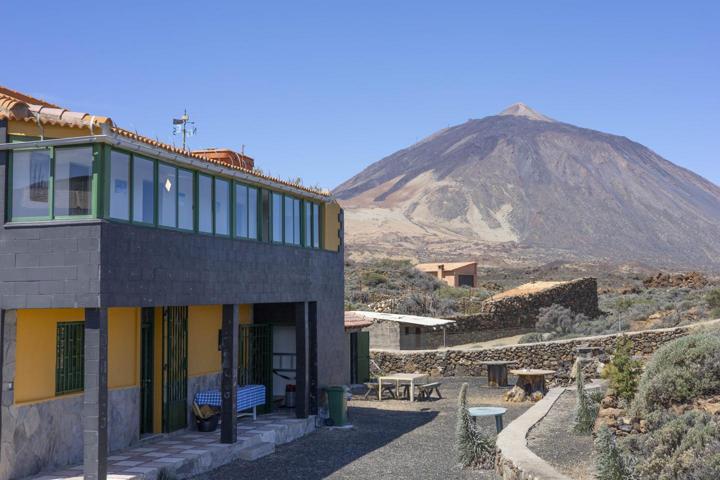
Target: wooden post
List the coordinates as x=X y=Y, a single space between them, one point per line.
x=497 y=375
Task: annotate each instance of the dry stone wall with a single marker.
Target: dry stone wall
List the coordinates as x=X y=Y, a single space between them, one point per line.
x=517 y=314
x=556 y=355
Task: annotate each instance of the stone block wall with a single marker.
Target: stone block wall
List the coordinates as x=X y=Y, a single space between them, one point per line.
x=515 y=315
x=556 y=355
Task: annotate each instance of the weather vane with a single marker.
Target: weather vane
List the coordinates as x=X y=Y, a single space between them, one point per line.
x=184 y=126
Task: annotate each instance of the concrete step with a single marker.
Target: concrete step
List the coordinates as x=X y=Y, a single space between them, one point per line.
x=257 y=451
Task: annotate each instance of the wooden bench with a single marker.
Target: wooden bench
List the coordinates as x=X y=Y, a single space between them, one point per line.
x=372 y=388
x=424 y=391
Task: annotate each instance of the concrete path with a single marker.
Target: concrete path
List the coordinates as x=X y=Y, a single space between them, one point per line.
x=390 y=439
x=190 y=453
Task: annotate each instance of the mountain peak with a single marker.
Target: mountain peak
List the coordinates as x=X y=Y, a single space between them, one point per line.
x=522 y=110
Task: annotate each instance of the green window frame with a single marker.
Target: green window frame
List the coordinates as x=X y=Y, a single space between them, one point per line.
x=277 y=217
x=205 y=206
x=116 y=210
x=222 y=199
x=166 y=187
x=245 y=211
x=70 y=358
x=50 y=189
x=151 y=193
x=186 y=224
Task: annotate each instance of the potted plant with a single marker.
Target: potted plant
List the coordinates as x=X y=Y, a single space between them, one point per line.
x=206 y=417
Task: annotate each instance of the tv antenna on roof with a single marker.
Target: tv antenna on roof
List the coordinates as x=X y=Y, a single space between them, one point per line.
x=184 y=126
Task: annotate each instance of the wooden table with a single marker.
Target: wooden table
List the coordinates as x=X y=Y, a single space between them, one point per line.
x=411 y=378
x=496 y=412
x=498 y=372
x=531 y=380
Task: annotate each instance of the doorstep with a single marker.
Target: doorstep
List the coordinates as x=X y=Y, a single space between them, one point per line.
x=189 y=453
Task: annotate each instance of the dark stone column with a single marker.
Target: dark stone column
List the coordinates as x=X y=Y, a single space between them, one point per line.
x=302 y=362
x=229 y=347
x=3 y=168
x=95 y=401
x=313 y=360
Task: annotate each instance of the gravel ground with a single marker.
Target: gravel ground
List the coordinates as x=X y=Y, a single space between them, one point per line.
x=389 y=439
x=554 y=440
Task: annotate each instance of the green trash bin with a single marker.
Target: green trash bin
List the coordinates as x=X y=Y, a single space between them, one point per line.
x=337 y=405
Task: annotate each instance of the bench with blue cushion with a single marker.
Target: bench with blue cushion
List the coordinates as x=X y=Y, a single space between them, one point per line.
x=248 y=397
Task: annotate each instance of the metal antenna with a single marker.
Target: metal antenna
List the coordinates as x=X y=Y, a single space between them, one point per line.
x=184 y=126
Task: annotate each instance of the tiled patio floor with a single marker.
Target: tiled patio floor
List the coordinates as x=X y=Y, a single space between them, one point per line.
x=190 y=452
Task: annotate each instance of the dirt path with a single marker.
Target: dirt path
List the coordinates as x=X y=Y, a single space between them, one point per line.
x=554 y=441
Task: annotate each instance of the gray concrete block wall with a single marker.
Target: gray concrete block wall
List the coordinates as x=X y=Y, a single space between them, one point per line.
x=50 y=266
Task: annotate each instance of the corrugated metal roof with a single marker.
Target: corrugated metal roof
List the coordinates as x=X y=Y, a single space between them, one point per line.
x=410 y=319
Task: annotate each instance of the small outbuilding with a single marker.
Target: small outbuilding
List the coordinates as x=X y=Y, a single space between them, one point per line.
x=457 y=274
x=390 y=331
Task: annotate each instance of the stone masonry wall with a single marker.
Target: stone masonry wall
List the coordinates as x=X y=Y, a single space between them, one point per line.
x=556 y=355
x=517 y=314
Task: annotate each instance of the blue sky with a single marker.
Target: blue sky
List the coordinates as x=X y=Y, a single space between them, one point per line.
x=322 y=89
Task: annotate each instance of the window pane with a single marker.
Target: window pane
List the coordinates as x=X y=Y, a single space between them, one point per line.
x=186 y=199
x=143 y=190
x=30 y=183
x=307 y=212
x=167 y=195
x=316 y=225
x=296 y=221
x=222 y=207
x=252 y=213
x=277 y=220
x=241 y=211
x=119 y=185
x=73 y=181
x=205 y=221
x=288 y=220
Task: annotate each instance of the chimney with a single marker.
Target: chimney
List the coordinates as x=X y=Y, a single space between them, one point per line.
x=227 y=156
x=441 y=271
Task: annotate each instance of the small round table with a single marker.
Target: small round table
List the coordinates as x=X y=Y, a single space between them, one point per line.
x=532 y=379
x=496 y=412
x=497 y=372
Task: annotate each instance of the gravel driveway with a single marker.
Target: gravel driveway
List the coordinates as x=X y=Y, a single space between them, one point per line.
x=389 y=439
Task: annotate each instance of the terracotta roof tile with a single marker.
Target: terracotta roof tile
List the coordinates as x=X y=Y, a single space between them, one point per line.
x=25 y=98
x=356 y=320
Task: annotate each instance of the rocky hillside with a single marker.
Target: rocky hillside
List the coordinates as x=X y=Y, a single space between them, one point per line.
x=523 y=188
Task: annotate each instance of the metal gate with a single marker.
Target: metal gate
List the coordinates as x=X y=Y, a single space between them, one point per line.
x=255 y=363
x=175 y=347
x=146 y=370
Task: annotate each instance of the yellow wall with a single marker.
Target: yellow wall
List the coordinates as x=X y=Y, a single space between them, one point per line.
x=37 y=343
x=204 y=322
x=331 y=227
x=36 y=349
x=123 y=347
x=246 y=314
x=20 y=127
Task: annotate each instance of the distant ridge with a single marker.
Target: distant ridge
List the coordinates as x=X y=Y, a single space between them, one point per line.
x=522 y=187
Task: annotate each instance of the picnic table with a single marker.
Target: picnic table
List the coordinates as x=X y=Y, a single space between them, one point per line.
x=531 y=380
x=248 y=397
x=498 y=372
x=411 y=378
x=496 y=412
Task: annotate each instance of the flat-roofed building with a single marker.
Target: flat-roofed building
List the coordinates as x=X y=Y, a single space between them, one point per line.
x=455 y=274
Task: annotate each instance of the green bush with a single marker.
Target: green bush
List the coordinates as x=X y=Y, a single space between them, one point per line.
x=373 y=279
x=686 y=447
x=713 y=299
x=623 y=371
x=557 y=319
x=609 y=462
x=473 y=447
x=532 y=337
x=679 y=372
x=585 y=409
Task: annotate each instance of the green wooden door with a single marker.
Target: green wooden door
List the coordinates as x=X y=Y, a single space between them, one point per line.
x=255 y=359
x=146 y=370
x=363 y=357
x=175 y=346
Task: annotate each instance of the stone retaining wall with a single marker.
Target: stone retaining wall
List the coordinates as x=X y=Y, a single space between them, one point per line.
x=556 y=355
x=517 y=314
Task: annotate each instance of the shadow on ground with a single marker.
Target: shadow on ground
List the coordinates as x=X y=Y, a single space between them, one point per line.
x=320 y=454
